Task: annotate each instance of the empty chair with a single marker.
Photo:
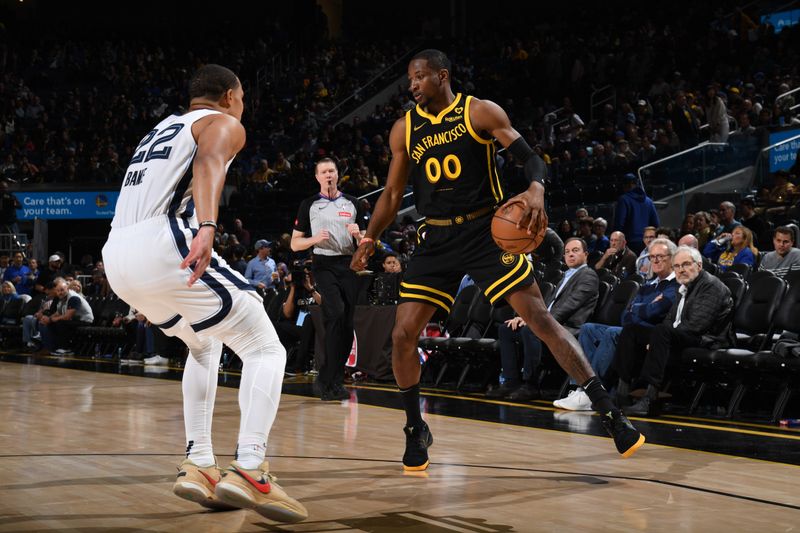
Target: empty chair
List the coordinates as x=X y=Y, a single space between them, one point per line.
x=754 y=314
x=792 y=277
x=758 y=274
x=638 y=278
x=457 y=319
x=736 y=285
x=740 y=268
x=620 y=297
x=608 y=277
x=553 y=276
x=548 y=290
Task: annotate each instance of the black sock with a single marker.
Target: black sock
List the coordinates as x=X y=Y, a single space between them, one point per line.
x=601 y=401
x=410 y=398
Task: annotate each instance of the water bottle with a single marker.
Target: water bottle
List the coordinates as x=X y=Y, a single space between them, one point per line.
x=119 y=353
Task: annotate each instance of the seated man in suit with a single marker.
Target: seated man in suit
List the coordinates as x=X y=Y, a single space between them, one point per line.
x=652 y=303
x=701 y=316
x=573 y=303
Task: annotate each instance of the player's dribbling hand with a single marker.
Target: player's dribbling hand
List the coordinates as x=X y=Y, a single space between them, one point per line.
x=199 y=254
x=362 y=255
x=532 y=202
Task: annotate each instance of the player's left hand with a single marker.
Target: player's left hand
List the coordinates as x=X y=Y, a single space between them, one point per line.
x=199 y=253
x=532 y=201
x=362 y=255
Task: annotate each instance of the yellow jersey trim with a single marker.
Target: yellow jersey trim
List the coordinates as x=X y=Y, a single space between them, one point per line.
x=428 y=298
x=408 y=133
x=429 y=289
x=438 y=118
x=496 y=175
x=489 y=158
x=501 y=280
x=512 y=284
x=468 y=122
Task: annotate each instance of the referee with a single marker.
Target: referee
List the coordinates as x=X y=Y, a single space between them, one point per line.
x=328 y=222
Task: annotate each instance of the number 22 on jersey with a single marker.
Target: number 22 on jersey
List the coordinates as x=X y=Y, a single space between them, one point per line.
x=153 y=146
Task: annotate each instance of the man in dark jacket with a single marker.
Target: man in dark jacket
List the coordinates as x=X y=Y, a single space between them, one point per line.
x=619 y=259
x=700 y=317
x=652 y=303
x=573 y=303
x=635 y=211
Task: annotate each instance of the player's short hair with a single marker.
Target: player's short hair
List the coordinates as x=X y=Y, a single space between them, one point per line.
x=437 y=60
x=212 y=81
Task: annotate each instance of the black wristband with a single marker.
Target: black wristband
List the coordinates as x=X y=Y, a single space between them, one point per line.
x=520 y=150
x=535 y=167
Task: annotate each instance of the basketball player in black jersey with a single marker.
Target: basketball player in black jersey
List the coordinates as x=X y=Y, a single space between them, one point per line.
x=445 y=146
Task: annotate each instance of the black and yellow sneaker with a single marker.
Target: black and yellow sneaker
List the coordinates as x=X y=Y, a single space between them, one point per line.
x=626 y=437
x=418 y=439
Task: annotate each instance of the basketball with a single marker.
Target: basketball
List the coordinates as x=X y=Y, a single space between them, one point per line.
x=512 y=239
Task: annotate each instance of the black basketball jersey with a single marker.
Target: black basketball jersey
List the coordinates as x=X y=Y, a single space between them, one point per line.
x=453 y=169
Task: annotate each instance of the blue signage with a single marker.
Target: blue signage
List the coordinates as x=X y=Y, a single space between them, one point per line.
x=782 y=19
x=66 y=205
x=783 y=156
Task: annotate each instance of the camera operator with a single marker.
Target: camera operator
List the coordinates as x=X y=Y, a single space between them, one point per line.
x=328 y=222
x=292 y=321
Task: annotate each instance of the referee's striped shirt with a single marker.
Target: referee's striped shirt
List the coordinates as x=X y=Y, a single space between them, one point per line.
x=319 y=213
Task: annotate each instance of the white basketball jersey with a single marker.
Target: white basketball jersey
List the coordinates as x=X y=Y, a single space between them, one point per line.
x=158 y=180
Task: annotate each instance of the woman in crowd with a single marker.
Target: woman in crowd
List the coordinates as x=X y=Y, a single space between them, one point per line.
x=732 y=249
x=702 y=228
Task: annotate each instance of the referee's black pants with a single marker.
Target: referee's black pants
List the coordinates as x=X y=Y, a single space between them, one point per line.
x=338 y=286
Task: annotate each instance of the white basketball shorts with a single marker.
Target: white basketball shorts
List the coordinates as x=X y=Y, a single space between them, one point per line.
x=142 y=263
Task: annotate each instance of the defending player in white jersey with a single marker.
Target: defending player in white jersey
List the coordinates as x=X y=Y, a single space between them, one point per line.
x=159 y=259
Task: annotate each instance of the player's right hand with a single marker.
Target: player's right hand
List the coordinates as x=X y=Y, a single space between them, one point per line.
x=362 y=255
x=199 y=253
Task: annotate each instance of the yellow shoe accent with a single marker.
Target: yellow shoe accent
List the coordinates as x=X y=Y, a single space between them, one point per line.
x=630 y=451
x=416 y=468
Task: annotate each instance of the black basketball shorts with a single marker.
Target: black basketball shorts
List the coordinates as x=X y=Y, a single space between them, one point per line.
x=445 y=253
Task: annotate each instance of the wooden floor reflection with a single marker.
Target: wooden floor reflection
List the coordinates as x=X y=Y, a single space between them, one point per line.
x=87 y=451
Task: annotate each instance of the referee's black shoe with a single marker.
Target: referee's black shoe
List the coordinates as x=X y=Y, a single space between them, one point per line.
x=418 y=439
x=626 y=437
x=331 y=393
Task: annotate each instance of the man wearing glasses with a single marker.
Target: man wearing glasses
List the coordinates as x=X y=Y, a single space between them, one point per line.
x=700 y=317
x=651 y=304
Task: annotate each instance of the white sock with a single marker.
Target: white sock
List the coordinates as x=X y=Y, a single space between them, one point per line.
x=250 y=454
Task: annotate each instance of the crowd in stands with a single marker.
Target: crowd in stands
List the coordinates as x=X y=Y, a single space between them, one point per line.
x=72 y=113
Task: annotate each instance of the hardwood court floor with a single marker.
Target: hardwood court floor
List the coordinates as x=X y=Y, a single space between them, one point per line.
x=89 y=451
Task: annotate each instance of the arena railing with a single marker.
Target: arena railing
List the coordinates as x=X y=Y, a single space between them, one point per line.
x=597 y=98
x=390 y=71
